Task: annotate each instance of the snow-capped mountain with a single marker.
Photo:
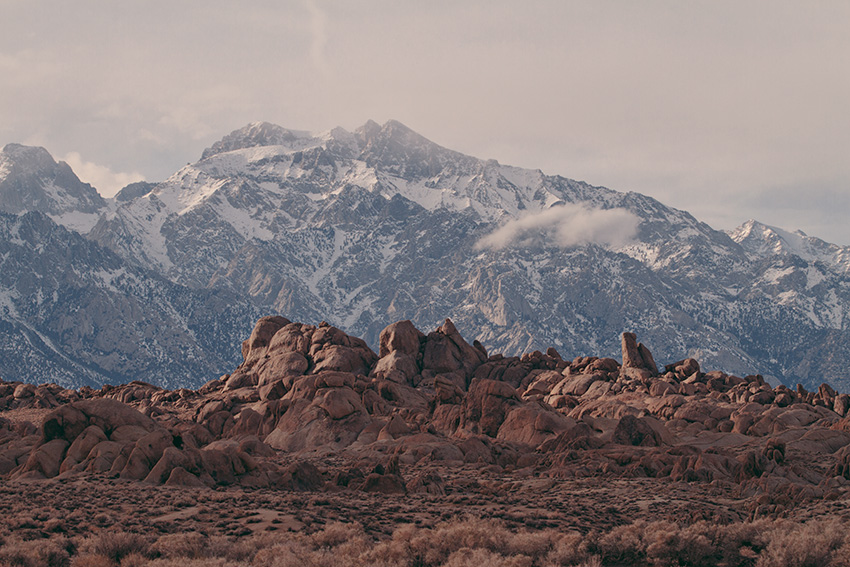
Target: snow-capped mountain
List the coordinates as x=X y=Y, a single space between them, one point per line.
x=762 y=241
x=74 y=313
x=31 y=180
x=368 y=227
x=807 y=281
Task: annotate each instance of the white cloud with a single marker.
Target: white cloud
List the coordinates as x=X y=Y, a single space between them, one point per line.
x=566 y=226
x=106 y=181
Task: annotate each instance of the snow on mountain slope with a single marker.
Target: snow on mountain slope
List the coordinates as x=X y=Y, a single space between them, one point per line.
x=368 y=227
x=379 y=224
x=761 y=240
x=800 y=272
x=31 y=180
x=74 y=313
x=243 y=190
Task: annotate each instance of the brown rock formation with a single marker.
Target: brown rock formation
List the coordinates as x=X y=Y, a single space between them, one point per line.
x=312 y=408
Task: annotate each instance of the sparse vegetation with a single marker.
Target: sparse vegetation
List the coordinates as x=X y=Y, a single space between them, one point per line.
x=627 y=478
x=456 y=543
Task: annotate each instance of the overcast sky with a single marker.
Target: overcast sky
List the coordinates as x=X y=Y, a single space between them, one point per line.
x=730 y=110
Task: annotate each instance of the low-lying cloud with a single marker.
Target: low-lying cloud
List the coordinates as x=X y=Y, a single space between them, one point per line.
x=102 y=178
x=565 y=226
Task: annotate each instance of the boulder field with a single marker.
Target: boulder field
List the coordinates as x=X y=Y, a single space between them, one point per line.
x=305 y=394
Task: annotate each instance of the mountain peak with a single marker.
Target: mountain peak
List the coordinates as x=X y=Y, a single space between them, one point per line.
x=369 y=129
x=31 y=180
x=760 y=239
x=29 y=157
x=396 y=126
x=392 y=130
x=253 y=135
x=19 y=158
x=405 y=152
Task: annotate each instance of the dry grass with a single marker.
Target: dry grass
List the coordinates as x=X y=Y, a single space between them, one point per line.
x=463 y=542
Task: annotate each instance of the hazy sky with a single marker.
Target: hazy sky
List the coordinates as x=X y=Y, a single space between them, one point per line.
x=730 y=110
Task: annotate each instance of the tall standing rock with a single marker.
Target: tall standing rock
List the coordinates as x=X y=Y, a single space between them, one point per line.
x=636 y=355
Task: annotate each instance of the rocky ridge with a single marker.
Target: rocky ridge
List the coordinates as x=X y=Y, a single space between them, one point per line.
x=312 y=408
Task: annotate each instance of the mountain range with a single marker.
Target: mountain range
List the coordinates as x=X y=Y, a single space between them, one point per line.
x=368 y=227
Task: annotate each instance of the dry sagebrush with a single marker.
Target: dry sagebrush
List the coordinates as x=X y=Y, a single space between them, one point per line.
x=458 y=543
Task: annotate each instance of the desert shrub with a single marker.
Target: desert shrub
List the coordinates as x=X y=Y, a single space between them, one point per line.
x=473 y=542
x=91 y=560
x=658 y=543
x=446 y=538
x=399 y=549
x=233 y=549
x=282 y=556
x=338 y=533
x=203 y=562
x=669 y=545
x=348 y=542
x=190 y=545
x=741 y=543
x=593 y=561
x=535 y=545
x=567 y=549
x=622 y=545
x=841 y=556
x=336 y=544
x=477 y=557
x=300 y=554
x=812 y=544
x=134 y=560
x=36 y=553
x=115 y=545
x=458 y=543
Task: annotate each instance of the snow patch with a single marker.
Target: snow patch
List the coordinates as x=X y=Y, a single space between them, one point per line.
x=7 y=303
x=775 y=275
x=77 y=221
x=327 y=263
x=249 y=225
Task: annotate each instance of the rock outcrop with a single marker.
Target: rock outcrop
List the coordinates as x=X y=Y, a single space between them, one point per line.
x=305 y=393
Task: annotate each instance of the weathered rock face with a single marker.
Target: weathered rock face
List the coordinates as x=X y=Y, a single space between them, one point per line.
x=446 y=354
x=102 y=435
x=278 y=348
x=401 y=352
x=257 y=344
x=635 y=431
x=487 y=405
x=305 y=393
x=403 y=338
